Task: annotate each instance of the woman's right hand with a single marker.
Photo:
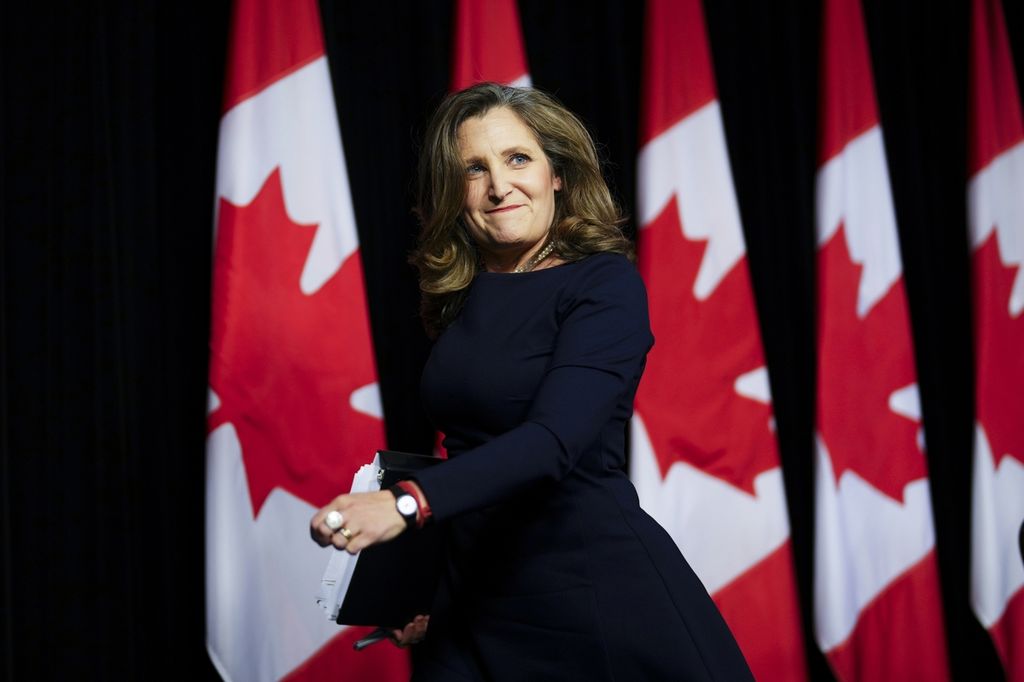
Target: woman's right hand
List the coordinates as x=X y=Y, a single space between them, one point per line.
x=367 y=519
x=412 y=633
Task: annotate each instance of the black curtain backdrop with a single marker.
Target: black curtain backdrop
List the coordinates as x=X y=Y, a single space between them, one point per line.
x=110 y=113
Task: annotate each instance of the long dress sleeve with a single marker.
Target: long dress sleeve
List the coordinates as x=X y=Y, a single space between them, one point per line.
x=598 y=356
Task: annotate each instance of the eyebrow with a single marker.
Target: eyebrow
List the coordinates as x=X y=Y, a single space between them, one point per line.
x=506 y=152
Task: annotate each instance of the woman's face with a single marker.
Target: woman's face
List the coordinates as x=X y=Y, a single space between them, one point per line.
x=510 y=187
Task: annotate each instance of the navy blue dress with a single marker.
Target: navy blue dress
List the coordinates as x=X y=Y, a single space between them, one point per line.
x=553 y=570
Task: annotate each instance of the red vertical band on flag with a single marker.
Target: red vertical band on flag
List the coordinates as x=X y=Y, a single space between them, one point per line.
x=713 y=479
x=488 y=43
x=847 y=87
x=276 y=38
x=995 y=108
x=677 y=76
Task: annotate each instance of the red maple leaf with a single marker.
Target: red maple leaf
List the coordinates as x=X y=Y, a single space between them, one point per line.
x=999 y=341
x=687 y=398
x=861 y=362
x=284 y=364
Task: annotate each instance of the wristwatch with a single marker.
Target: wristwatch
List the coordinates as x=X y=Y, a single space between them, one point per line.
x=406 y=505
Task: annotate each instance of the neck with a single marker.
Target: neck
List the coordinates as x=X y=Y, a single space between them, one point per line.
x=522 y=262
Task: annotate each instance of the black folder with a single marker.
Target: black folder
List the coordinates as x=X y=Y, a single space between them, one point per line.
x=393 y=582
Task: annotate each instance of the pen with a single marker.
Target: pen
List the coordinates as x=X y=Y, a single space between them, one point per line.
x=377 y=635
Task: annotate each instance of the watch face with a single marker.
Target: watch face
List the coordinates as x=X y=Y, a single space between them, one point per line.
x=406 y=505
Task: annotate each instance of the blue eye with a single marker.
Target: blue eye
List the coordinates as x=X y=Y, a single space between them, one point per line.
x=519 y=159
x=474 y=169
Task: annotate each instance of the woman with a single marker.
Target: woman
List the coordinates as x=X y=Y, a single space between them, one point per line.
x=553 y=570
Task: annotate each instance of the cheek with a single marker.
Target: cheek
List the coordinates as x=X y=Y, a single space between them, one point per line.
x=471 y=216
x=474 y=197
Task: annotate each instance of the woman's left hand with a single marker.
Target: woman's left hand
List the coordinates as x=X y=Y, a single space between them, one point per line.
x=367 y=519
x=413 y=633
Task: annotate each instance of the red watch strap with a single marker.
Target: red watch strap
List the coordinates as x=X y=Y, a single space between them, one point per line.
x=423 y=514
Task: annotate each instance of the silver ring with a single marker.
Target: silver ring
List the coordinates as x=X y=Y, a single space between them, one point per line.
x=346 y=533
x=334 y=520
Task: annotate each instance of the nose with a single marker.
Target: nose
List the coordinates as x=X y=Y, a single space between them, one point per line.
x=500 y=186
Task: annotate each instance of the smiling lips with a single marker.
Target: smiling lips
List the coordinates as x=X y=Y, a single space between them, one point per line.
x=503 y=209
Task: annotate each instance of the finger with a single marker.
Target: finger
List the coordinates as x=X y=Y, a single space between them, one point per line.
x=412 y=633
x=356 y=541
x=325 y=530
x=317 y=526
x=339 y=541
x=319 y=536
x=417 y=631
x=356 y=545
x=326 y=535
x=318 y=518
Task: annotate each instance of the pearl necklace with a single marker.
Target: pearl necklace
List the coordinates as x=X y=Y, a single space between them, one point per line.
x=537 y=259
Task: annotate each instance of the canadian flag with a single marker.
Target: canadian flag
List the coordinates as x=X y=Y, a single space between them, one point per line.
x=294 y=407
x=877 y=603
x=996 y=220
x=704 y=456
x=488 y=44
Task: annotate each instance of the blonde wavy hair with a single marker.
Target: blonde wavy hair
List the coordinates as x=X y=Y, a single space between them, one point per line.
x=587 y=220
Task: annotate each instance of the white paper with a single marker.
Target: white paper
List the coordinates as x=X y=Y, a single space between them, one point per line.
x=341 y=566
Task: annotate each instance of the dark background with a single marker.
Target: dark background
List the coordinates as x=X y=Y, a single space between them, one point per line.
x=110 y=114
